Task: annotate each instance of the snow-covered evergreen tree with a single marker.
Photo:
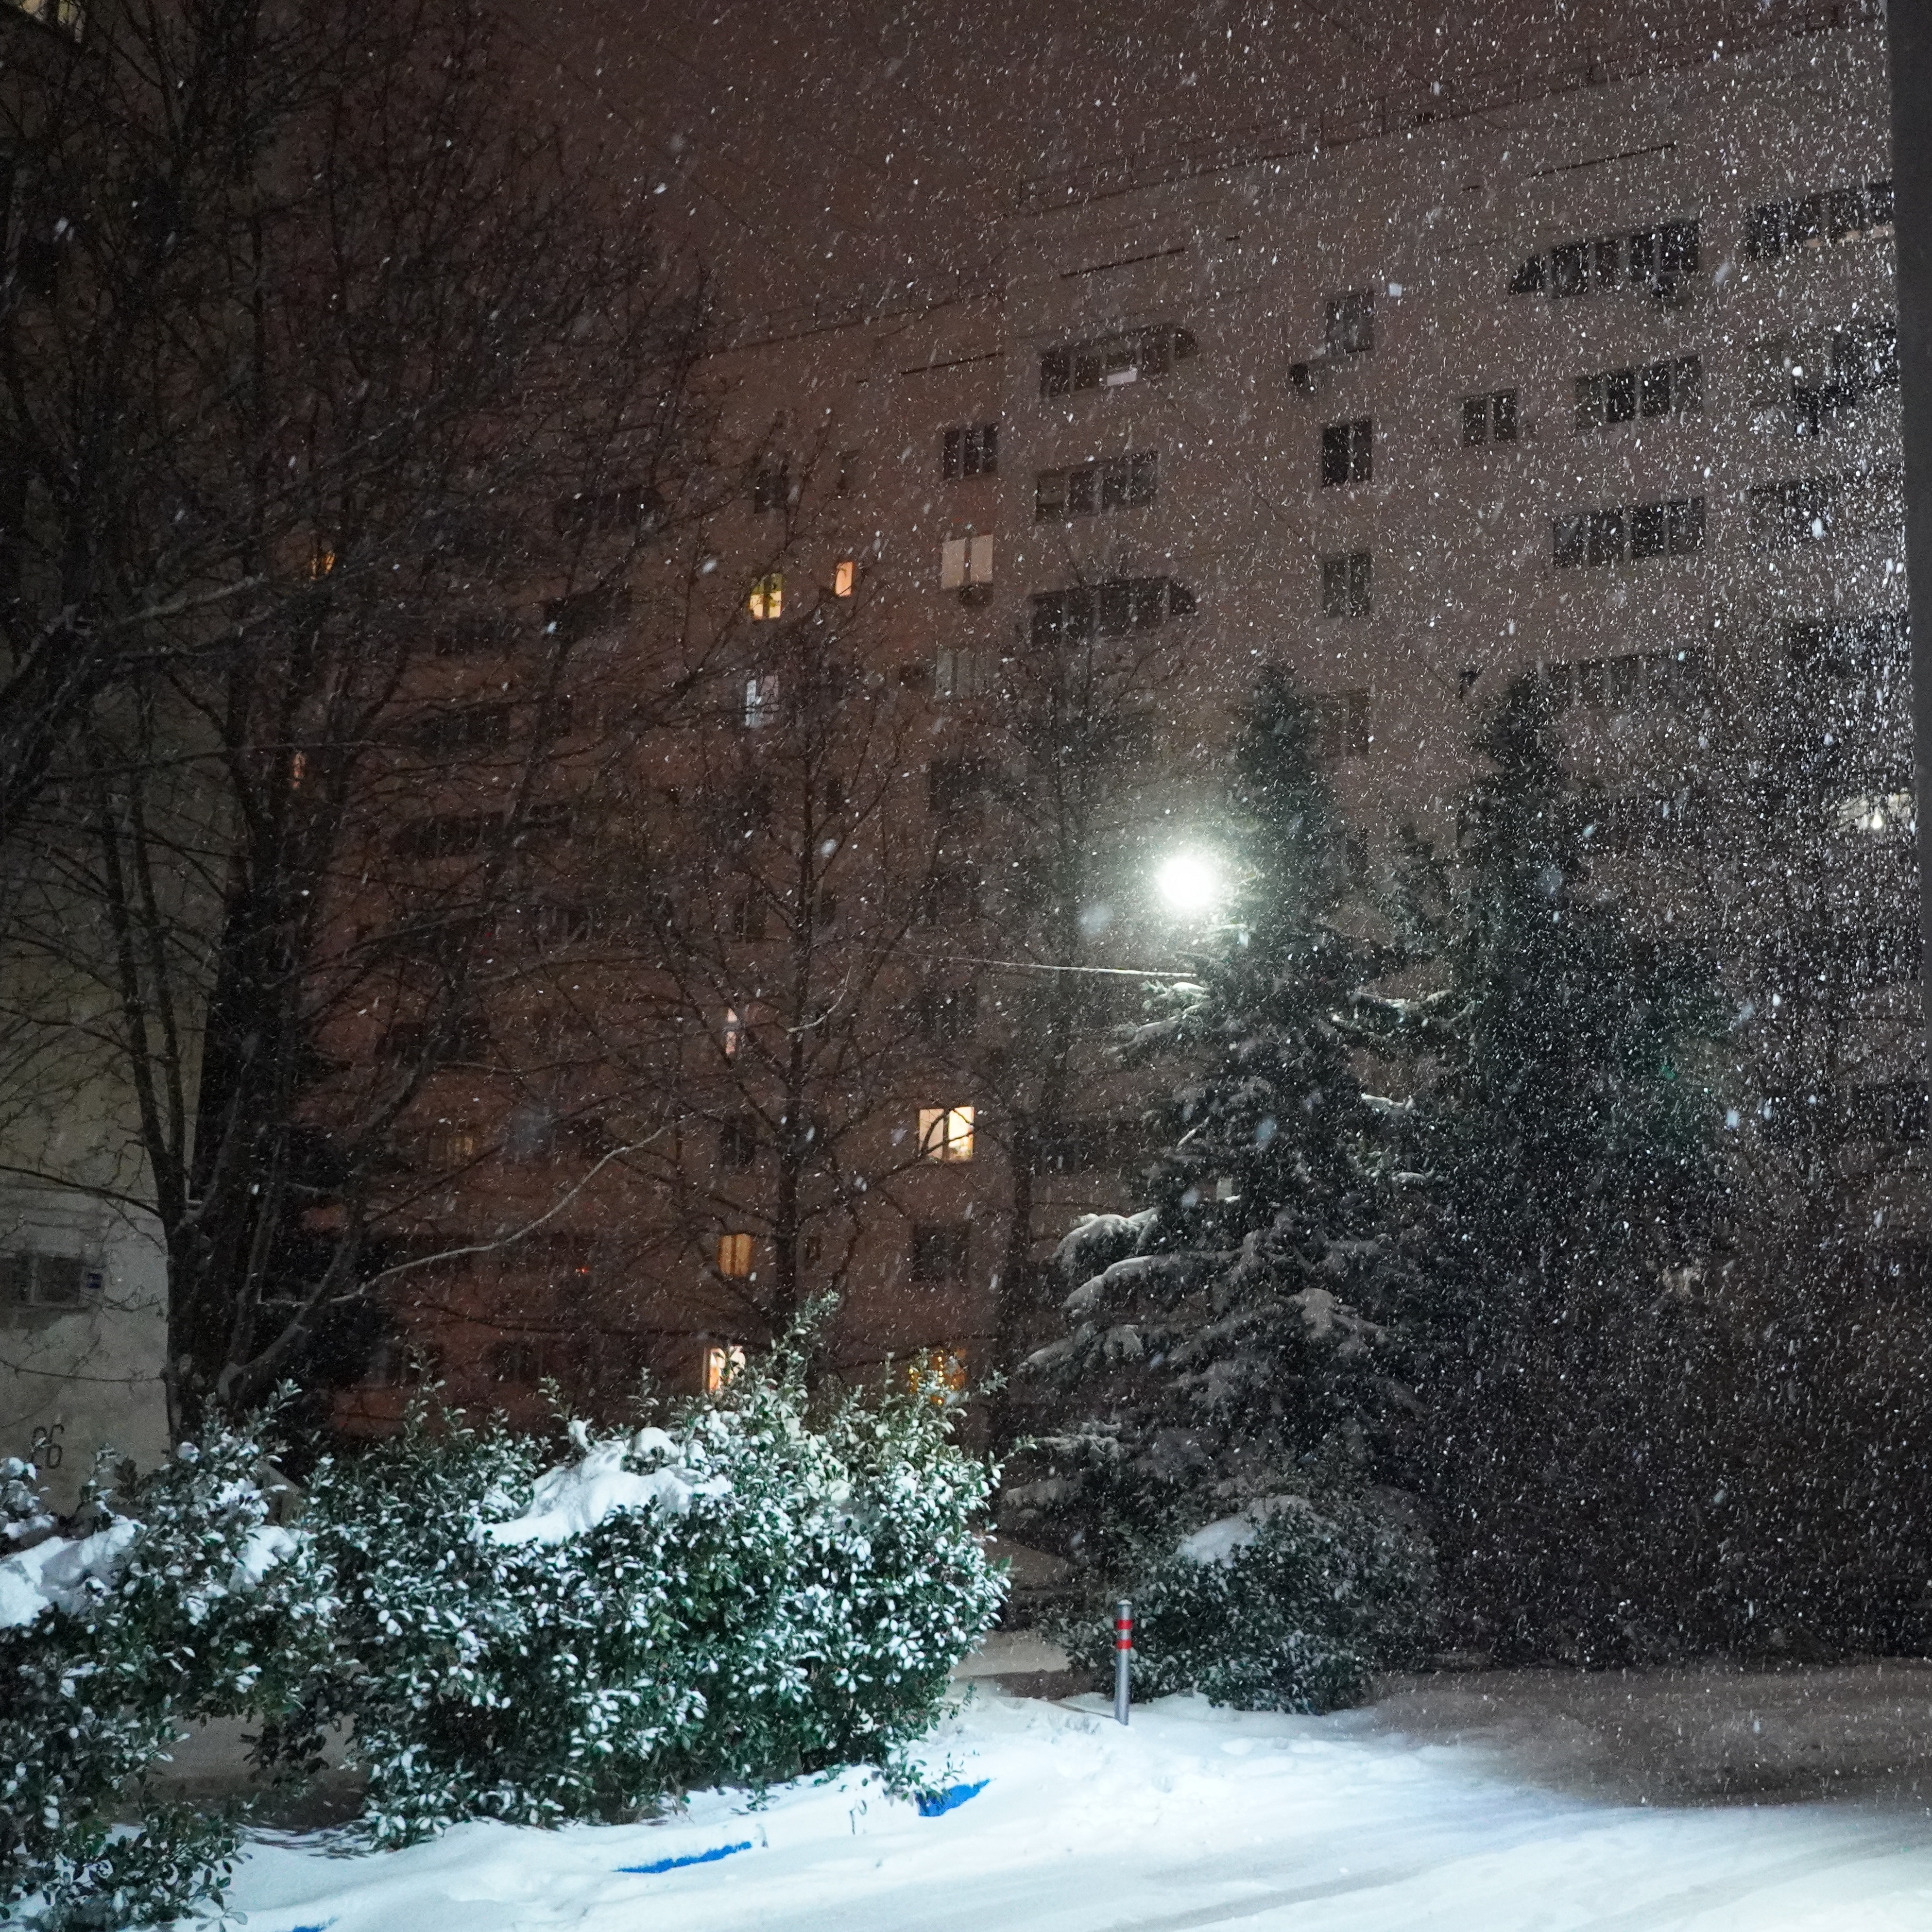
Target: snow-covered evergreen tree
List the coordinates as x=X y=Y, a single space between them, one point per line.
x=1229 y=1342
x=1568 y=1132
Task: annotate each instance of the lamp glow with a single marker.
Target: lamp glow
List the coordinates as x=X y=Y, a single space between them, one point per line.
x=1190 y=883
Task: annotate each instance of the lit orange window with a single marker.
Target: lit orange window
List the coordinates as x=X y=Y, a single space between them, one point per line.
x=722 y=1362
x=942 y=1371
x=734 y=1255
x=321 y=563
x=946 y=1133
x=734 y=1032
x=766 y=601
x=844 y=577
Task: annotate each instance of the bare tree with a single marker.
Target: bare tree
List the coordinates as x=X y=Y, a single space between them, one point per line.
x=402 y=395
x=785 y=888
x=1076 y=707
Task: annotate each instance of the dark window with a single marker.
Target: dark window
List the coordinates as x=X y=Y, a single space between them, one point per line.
x=560 y=922
x=1814 y=220
x=771 y=487
x=946 y=1014
x=587 y=613
x=941 y=1252
x=1685 y=522
x=972 y=449
x=466 y=727
x=467 y=636
x=1345 y=585
x=738 y=1142
x=597 y=512
x=1087 y=1147
x=519 y=1364
x=465 y=1037
x=952 y=783
x=1119 y=483
x=1127 y=482
x=1111 y=360
x=1621 y=395
x=1658 y=256
x=1138 y=603
x=1661 y=255
x=1650 y=530
x=448 y=835
x=1764 y=232
x=1348 y=451
x=747 y=920
x=38 y=1280
x=950 y=896
x=1647 y=534
x=1489 y=418
x=1352 y=323
x=1801 y=509
x=1341 y=724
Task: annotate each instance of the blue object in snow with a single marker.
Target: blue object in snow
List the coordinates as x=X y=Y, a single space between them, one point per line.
x=936 y=1803
x=711 y=1857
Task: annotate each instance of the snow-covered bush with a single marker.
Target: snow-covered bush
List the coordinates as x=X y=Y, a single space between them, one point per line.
x=1289 y=1605
x=181 y=1602
x=742 y=1598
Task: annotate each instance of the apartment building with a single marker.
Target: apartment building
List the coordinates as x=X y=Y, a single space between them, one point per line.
x=1590 y=377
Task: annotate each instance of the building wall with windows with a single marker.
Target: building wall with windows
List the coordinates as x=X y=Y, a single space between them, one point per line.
x=1596 y=385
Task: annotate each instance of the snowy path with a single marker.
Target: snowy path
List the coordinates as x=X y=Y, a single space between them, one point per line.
x=1194 y=1818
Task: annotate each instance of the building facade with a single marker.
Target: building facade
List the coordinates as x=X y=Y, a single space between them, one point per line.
x=1589 y=378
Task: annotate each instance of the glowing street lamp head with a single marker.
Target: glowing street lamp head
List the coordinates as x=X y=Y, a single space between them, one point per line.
x=1190 y=883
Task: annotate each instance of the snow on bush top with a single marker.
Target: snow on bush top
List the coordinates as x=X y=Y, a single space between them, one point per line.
x=57 y=1572
x=573 y=1500
x=1217 y=1542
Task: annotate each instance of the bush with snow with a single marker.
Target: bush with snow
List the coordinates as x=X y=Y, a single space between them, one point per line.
x=1288 y=1606
x=181 y=1601
x=741 y=1598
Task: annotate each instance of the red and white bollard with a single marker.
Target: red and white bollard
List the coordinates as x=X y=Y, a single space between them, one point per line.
x=1124 y=1652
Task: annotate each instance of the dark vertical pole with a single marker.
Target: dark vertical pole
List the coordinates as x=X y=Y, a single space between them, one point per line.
x=1908 y=29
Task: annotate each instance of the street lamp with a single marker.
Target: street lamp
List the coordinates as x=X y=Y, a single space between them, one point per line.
x=1191 y=884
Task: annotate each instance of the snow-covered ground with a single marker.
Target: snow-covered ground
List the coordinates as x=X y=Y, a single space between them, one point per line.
x=1192 y=1818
